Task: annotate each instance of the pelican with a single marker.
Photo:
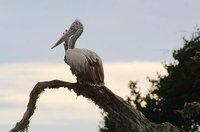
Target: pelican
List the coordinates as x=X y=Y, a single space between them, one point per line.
x=85 y=64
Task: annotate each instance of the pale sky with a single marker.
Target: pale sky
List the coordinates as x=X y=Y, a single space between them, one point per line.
x=122 y=30
x=132 y=37
x=60 y=108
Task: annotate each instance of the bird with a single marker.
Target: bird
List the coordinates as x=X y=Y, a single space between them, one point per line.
x=85 y=64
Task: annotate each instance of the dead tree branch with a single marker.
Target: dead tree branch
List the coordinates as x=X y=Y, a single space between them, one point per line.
x=115 y=106
x=191 y=110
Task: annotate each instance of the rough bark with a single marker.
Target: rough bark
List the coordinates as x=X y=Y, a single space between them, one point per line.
x=115 y=106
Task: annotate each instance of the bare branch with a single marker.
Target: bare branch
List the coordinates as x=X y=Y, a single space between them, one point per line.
x=117 y=108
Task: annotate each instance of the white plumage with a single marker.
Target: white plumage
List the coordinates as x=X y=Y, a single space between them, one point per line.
x=85 y=64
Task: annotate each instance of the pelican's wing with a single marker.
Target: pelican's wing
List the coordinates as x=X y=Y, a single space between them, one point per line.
x=92 y=58
x=95 y=62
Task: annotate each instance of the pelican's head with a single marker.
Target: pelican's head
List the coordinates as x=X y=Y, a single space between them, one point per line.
x=75 y=29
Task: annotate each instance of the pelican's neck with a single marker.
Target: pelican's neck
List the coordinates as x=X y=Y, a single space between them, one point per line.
x=73 y=39
x=66 y=46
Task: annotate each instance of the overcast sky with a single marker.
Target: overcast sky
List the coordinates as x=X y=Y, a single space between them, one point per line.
x=132 y=37
x=117 y=30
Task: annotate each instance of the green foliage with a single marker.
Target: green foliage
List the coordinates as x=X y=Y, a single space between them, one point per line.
x=111 y=126
x=169 y=92
x=179 y=86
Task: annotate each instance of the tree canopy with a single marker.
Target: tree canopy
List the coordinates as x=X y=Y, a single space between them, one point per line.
x=168 y=93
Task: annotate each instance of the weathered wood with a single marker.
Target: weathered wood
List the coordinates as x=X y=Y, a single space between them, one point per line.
x=117 y=108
